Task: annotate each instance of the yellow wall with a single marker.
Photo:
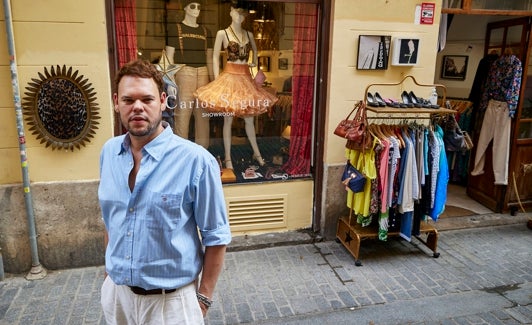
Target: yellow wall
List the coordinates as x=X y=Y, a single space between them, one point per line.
x=346 y=83
x=50 y=33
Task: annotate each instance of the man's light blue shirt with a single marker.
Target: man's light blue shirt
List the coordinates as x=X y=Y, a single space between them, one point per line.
x=153 y=230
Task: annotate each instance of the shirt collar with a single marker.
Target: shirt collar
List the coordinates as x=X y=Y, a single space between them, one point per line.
x=155 y=147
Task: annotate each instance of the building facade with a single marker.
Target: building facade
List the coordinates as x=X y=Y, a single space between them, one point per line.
x=309 y=52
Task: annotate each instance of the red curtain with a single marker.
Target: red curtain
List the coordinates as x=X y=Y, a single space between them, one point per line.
x=305 y=27
x=126 y=31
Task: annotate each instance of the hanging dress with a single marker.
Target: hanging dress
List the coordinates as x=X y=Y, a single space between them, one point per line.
x=234 y=92
x=360 y=202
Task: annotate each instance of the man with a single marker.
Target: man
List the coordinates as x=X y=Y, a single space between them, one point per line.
x=161 y=199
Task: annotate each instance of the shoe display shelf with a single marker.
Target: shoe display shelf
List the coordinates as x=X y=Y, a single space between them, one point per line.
x=393 y=112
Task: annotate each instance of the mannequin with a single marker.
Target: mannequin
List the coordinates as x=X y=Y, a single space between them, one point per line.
x=191 y=49
x=233 y=92
x=169 y=69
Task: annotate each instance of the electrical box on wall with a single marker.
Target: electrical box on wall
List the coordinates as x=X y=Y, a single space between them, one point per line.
x=405 y=51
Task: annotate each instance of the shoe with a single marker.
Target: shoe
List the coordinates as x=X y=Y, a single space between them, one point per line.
x=391 y=103
x=398 y=103
x=406 y=99
x=372 y=101
x=414 y=99
x=424 y=103
x=228 y=164
x=379 y=100
x=259 y=160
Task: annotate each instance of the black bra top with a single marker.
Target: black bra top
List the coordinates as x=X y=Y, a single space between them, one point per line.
x=235 y=51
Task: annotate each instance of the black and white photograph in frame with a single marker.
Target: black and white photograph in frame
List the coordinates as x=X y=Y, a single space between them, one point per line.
x=405 y=51
x=373 y=52
x=454 y=67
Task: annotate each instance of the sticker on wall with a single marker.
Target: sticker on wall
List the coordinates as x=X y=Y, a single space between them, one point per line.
x=427 y=13
x=405 y=51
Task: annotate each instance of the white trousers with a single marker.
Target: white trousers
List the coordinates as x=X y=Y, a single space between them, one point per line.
x=188 y=79
x=123 y=307
x=496 y=126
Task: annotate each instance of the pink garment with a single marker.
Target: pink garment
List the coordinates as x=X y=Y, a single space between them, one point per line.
x=383 y=173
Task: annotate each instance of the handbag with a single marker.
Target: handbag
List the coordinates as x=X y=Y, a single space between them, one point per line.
x=353 y=179
x=468 y=141
x=453 y=136
x=355 y=130
x=259 y=78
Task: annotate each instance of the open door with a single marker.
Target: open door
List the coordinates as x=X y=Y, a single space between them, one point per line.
x=503 y=37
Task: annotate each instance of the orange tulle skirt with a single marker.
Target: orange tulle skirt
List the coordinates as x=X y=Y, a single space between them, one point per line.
x=235 y=93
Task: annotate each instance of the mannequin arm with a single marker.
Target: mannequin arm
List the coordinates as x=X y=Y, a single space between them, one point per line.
x=255 y=59
x=209 y=64
x=218 y=42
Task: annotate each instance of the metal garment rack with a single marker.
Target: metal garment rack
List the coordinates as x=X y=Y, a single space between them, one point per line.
x=349 y=233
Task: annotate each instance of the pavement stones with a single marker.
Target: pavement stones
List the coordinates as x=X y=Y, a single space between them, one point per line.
x=483 y=276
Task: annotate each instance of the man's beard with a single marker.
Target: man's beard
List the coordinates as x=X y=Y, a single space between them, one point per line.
x=145 y=131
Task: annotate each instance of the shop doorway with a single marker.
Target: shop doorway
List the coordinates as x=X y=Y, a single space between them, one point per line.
x=502 y=35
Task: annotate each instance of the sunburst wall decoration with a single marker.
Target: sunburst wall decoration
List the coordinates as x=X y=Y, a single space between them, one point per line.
x=60 y=108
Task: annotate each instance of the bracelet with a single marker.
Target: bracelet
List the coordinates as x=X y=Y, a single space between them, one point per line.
x=204 y=300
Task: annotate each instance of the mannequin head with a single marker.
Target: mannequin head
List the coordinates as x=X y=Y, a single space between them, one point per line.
x=242 y=7
x=237 y=15
x=192 y=8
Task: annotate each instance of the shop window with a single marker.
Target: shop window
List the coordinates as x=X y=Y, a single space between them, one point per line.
x=268 y=144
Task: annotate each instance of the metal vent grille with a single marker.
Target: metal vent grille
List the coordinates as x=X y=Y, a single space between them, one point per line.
x=257 y=212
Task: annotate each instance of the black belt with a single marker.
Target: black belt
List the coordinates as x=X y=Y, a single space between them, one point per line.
x=144 y=292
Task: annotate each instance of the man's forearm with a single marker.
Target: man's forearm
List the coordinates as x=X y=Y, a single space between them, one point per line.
x=212 y=267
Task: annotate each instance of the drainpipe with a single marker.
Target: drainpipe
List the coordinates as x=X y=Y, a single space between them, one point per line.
x=37 y=271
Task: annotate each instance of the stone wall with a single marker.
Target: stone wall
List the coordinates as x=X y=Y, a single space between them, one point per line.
x=68 y=223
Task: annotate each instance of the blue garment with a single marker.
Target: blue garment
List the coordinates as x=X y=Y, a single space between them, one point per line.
x=153 y=230
x=440 y=197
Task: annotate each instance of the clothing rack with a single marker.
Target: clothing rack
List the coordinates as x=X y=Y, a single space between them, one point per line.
x=349 y=232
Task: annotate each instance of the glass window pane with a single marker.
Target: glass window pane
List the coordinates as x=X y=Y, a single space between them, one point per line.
x=270 y=143
x=525 y=130
x=502 y=4
x=456 y=4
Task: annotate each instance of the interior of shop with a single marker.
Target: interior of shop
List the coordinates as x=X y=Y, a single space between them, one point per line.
x=466 y=46
x=271 y=25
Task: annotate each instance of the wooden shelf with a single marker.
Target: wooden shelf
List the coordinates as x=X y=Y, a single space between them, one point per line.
x=350 y=234
x=393 y=110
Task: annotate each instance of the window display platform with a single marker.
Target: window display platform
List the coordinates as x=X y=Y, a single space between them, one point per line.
x=274 y=151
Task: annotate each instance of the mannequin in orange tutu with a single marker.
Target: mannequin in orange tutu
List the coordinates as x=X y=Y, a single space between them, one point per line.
x=233 y=92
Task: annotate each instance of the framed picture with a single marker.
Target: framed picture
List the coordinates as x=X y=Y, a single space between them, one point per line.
x=454 y=67
x=373 y=52
x=283 y=64
x=264 y=63
x=405 y=51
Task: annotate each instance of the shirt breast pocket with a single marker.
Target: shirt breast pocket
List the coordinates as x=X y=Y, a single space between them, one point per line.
x=164 y=211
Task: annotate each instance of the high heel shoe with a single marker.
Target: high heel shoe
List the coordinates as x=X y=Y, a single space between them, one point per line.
x=371 y=101
x=259 y=160
x=414 y=99
x=379 y=100
x=228 y=164
x=406 y=99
